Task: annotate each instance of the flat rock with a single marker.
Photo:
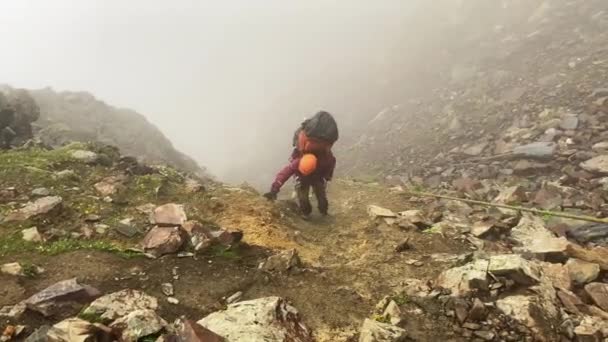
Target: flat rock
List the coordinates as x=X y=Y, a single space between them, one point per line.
x=569 y=122
x=373 y=331
x=536 y=150
x=259 y=320
x=511 y=195
x=482 y=228
x=137 y=324
x=118 y=304
x=465 y=279
x=31 y=235
x=281 y=262
x=85 y=156
x=39 y=207
x=598 y=292
x=61 y=296
x=601 y=147
x=597 y=165
x=41 y=192
x=571 y=302
x=375 y=211
x=164 y=240
x=582 y=272
x=515 y=268
x=72 y=330
x=169 y=214
x=475 y=150
x=533 y=238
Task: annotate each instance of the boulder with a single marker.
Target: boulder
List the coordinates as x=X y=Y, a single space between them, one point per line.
x=465 y=279
x=281 y=262
x=137 y=324
x=164 y=240
x=39 y=207
x=61 y=297
x=533 y=238
x=582 y=272
x=84 y=156
x=514 y=267
x=118 y=304
x=31 y=235
x=373 y=331
x=170 y=214
x=259 y=320
x=598 y=292
x=597 y=165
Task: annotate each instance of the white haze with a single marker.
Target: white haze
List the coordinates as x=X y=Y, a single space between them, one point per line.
x=226 y=81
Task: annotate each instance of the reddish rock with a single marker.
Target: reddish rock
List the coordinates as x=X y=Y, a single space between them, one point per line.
x=170 y=214
x=598 y=292
x=164 y=240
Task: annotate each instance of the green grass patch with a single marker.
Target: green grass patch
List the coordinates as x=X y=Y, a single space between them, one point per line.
x=13 y=244
x=382 y=318
x=224 y=252
x=401 y=299
x=436 y=229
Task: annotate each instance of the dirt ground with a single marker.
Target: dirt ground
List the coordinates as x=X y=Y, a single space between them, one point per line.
x=349 y=264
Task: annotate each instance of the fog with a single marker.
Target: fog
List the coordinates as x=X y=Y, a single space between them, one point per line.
x=228 y=81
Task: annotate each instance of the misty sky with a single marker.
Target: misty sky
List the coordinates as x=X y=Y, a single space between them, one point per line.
x=218 y=77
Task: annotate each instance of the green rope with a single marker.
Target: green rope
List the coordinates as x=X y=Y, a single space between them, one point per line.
x=505 y=206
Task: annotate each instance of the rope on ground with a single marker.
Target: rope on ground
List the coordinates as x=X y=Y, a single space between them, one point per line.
x=506 y=206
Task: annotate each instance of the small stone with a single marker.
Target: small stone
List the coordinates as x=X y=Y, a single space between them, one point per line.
x=393 y=312
x=471 y=326
x=478 y=311
x=282 y=262
x=41 y=192
x=234 y=298
x=85 y=156
x=485 y=335
x=31 y=235
x=598 y=165
x=92 y=218
x=375 y=211
x=101 y=229
x=173 y=300
x=569 y=122
x=167 y=289
x=582 y=272
x=126 y=228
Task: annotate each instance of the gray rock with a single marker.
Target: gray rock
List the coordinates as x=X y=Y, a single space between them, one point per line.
x=84 y=156
x=260 y=320
x=598 y=165
x=41 y=192
x=514 y=267
x=537 y=150
x=39 y=207
x=598 y=292
x=39 y=335
x=373 y=331
x=59 y=297
x=31 y=235
x=582 y=272
x=126 y=228
x=170 y=214
x=281 y=262
x=65 y=175
x=593 y=232
x=164 y=240
x=137 y=324
x=569 y=122
x=118 y=304
x=464 y=279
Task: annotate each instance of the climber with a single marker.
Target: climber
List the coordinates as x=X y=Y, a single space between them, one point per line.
x=311 y=161
x=311 y=171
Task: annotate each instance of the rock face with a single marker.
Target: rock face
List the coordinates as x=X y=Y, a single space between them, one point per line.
x=373 y=331
x=121 y=303
x=164 y=240
x=170 y=214
x=260 y=320
x=39 y=207
x=79 y=116
x=597 y=165
x=60 y=297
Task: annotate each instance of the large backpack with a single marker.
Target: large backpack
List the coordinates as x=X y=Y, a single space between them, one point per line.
x=317 y=134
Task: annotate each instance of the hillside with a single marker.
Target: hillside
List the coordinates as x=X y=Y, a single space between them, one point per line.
x=79 y=116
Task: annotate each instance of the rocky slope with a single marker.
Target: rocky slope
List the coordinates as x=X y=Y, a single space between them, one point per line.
x=79 y=116
x=527 y=57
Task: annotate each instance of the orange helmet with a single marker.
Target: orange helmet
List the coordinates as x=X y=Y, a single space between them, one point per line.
x=308 y=164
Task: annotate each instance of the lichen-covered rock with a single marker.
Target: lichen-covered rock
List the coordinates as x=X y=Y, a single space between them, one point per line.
x=259 y=320
x=119 y=304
